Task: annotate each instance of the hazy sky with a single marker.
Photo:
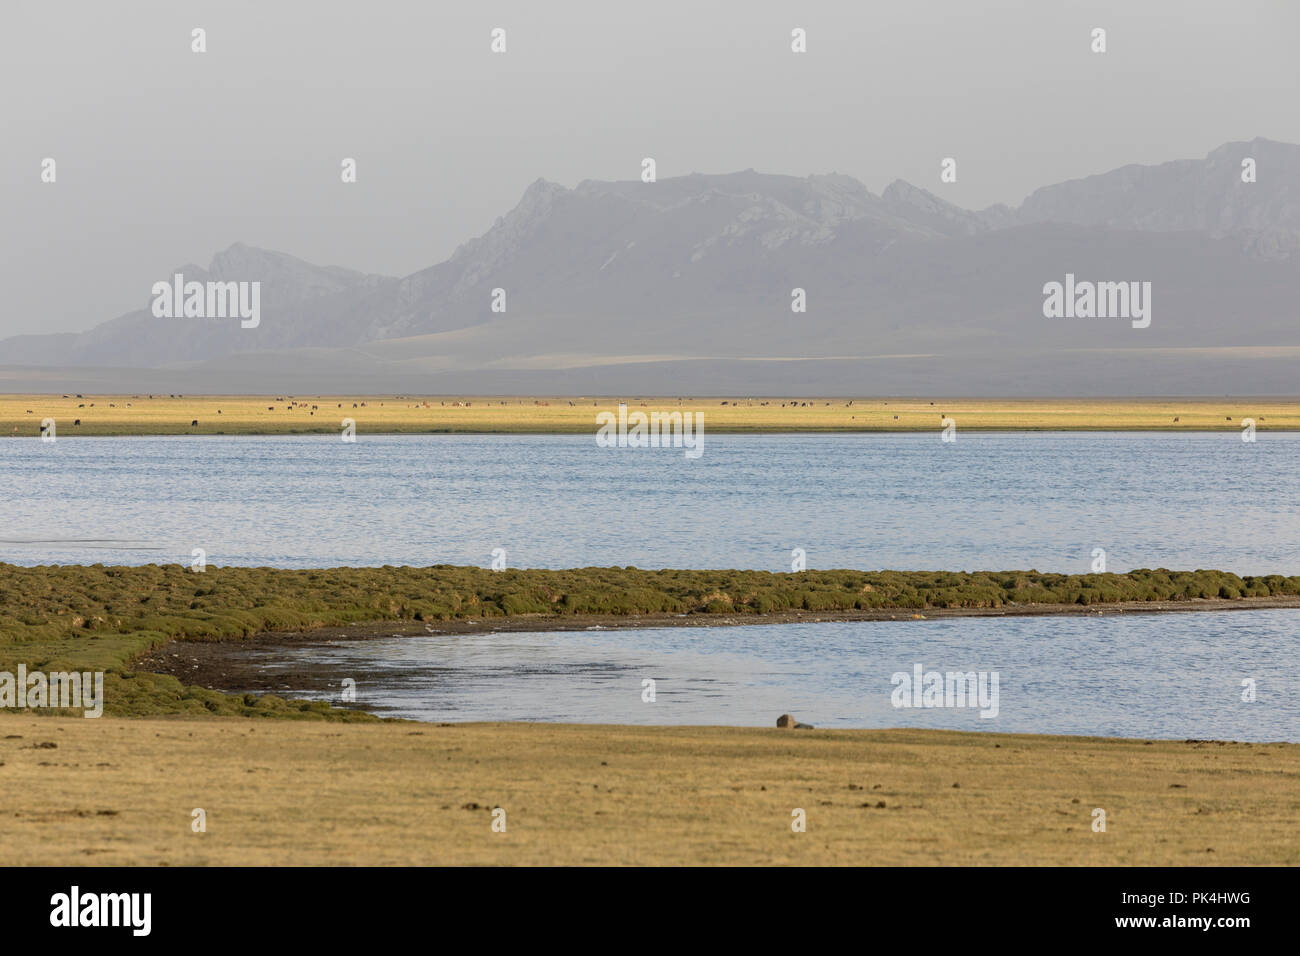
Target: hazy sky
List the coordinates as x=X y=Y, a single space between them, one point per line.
x=166 y=156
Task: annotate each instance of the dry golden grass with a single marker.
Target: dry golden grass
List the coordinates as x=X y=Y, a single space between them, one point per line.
x=118 y=791
x=277 y=414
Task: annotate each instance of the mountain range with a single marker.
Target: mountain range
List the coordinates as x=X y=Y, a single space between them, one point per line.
x=685 y=286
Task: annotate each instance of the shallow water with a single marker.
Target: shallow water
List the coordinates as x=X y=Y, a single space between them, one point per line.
x=984 y=502
x=1173 y=675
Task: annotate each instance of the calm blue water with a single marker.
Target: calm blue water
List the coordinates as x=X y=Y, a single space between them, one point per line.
x=1150 y=675
x=987 y=501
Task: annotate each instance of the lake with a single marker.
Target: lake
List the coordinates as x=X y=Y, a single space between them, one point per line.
x=989 y=501
x=1174 y=675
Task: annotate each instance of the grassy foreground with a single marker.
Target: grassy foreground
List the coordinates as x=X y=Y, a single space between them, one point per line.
x=118 y=792
x=146 y=414
x=97 y=618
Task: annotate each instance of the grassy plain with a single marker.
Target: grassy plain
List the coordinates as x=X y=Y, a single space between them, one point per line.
x=301 y=414
x=121 y=792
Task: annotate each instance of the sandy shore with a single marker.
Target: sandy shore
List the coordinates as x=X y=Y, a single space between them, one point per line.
x=113 y=792
x=228 y=665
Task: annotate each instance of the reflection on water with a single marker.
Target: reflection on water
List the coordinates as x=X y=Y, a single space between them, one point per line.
x=1143 y=675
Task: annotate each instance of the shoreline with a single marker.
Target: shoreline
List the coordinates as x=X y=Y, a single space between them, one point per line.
x=162 y=632
x=140 y=415
x=230 y=666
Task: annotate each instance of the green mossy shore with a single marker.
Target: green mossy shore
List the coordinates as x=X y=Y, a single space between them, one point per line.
x=98 y=618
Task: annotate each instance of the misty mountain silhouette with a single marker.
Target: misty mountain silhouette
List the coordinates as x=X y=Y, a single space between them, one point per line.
x=684 y=285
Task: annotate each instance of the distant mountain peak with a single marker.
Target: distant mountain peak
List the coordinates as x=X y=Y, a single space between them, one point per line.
x=1189 y=195
x=542 y=187
x=240 y=261
x=923 y=206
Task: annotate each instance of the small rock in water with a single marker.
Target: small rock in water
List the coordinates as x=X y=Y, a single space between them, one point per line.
x=786 y=720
